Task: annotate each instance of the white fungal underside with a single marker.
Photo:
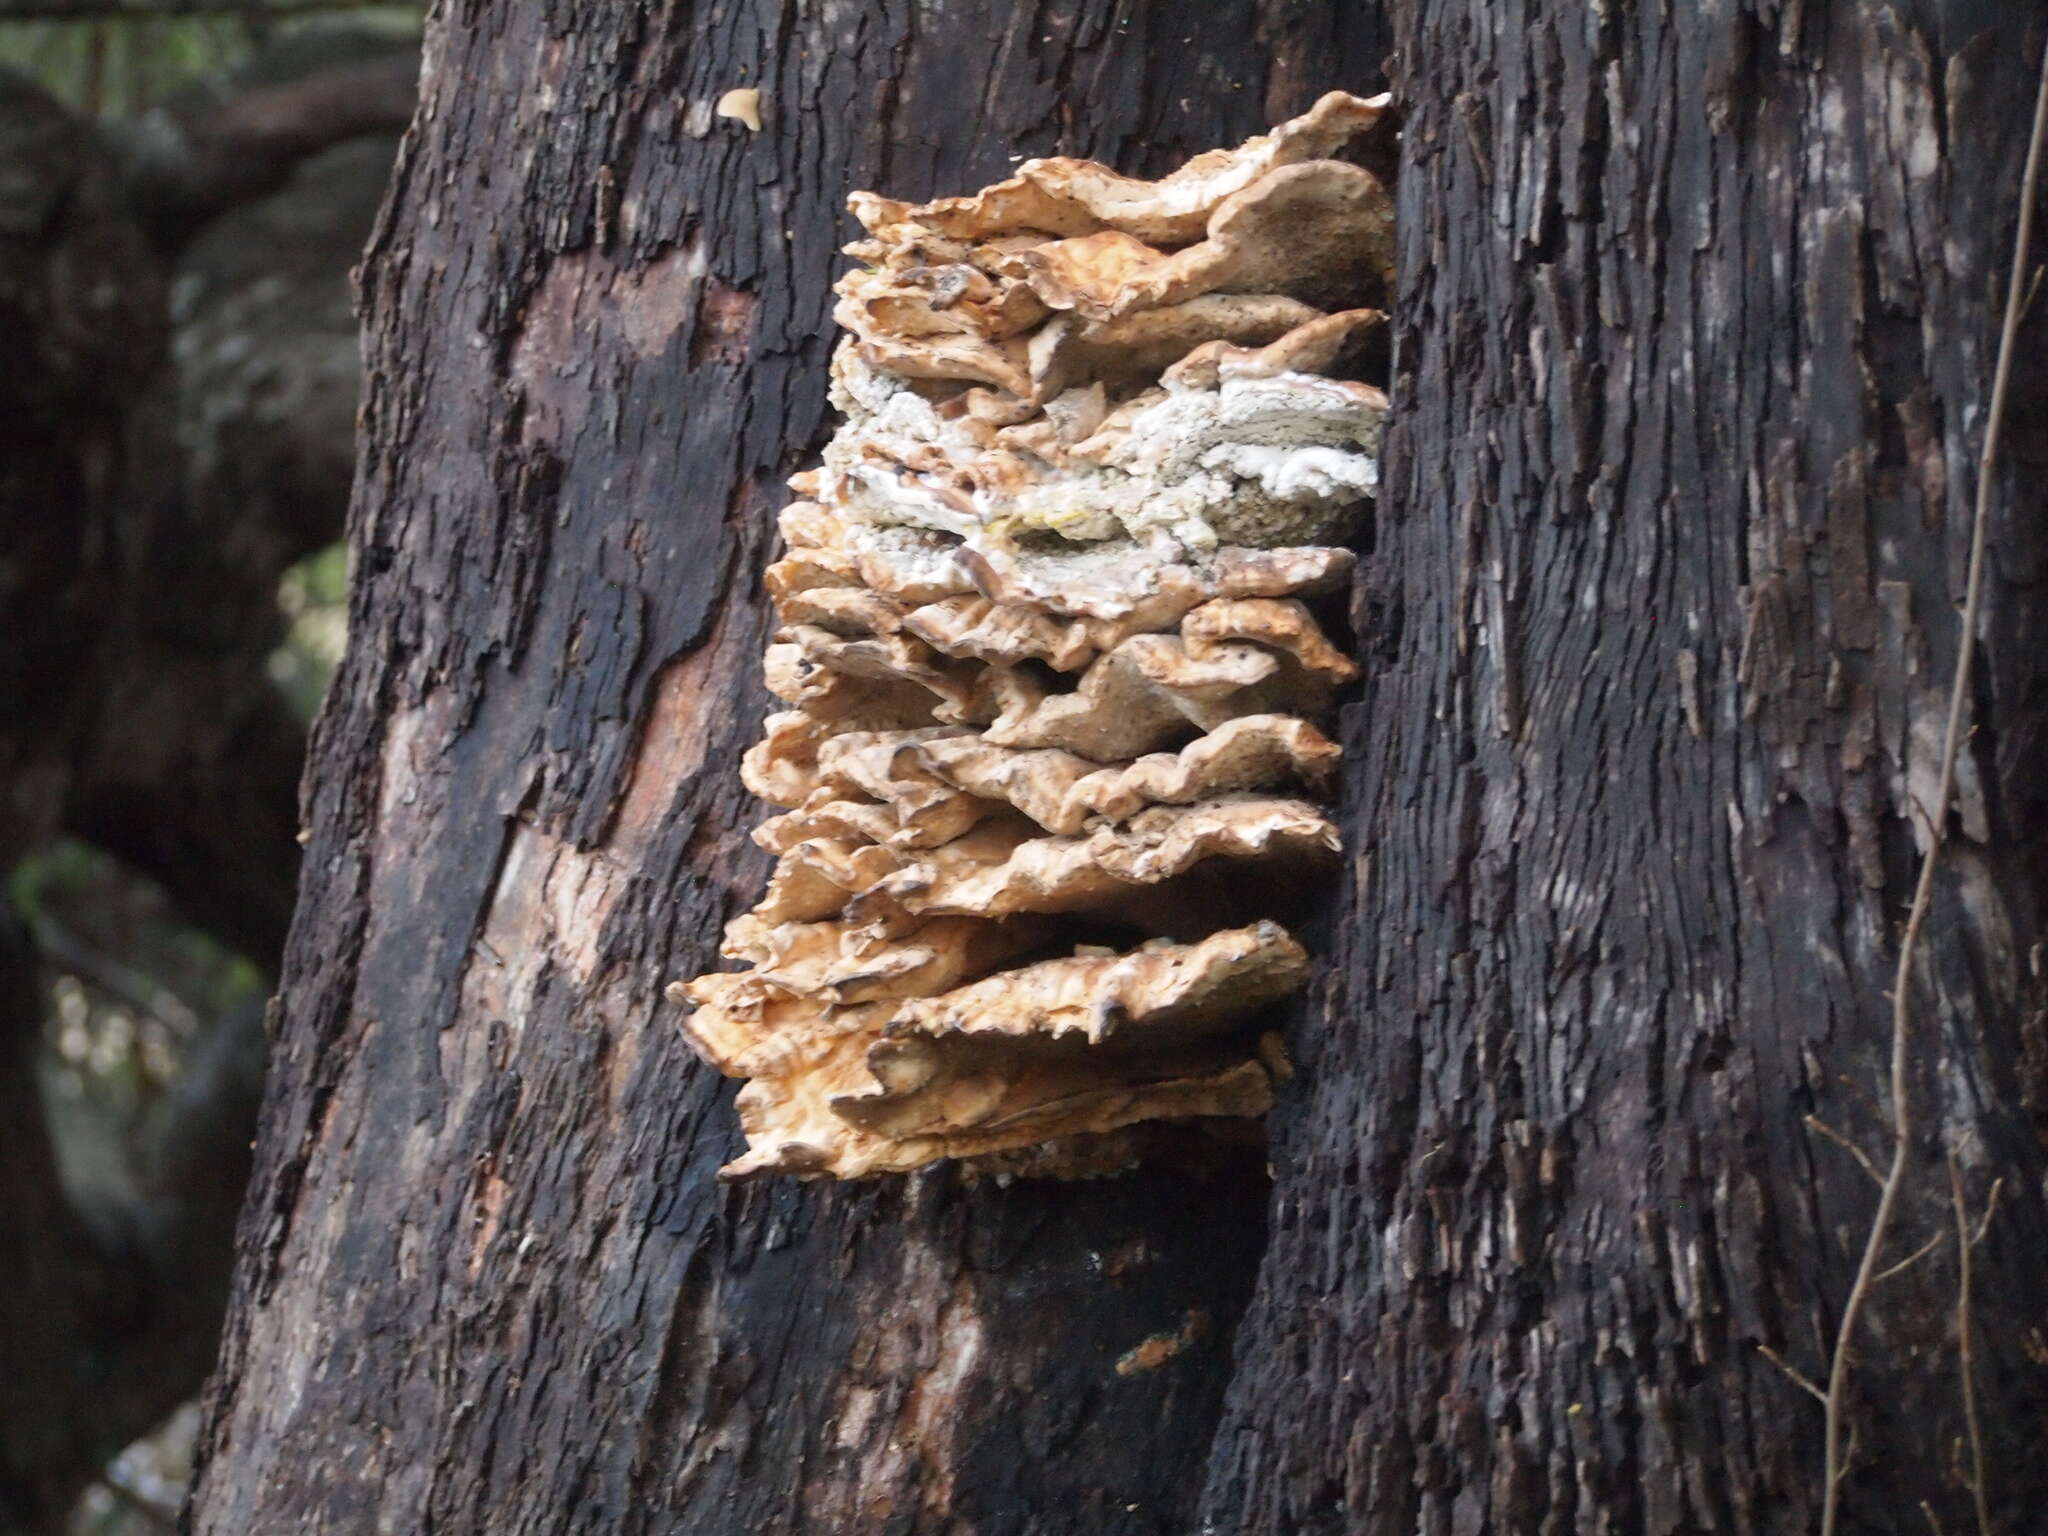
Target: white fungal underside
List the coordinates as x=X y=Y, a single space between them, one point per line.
x=1053 y=668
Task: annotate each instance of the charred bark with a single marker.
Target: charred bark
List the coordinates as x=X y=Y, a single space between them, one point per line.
x=1696 y=336
x=488 y=1281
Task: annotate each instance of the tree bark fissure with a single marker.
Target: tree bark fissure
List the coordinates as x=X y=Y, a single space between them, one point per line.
x=1695 y=337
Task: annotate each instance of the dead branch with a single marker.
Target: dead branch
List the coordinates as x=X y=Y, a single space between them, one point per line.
x=186 y=166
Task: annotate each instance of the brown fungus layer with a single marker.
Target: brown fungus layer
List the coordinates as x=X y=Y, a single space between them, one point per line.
x=1054 y=767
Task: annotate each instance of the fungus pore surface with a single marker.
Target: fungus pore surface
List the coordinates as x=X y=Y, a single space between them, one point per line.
x=1054 y=770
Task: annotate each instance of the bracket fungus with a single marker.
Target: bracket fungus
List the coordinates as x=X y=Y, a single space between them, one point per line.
x=1054 y=772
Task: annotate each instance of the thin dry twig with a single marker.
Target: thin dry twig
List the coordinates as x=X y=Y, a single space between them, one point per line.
x=1793 y=1374
x=1815 y=1123
x=1914 y=1257
x=1923 y=891
x=1965 y=1349
x=1848 y=1451
x=1990 y=1209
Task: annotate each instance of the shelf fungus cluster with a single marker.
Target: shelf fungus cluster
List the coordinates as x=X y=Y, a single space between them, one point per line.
x=1053 y=771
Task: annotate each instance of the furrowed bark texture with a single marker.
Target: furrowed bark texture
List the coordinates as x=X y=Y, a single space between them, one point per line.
x=487 y=1280
x=1695 y=340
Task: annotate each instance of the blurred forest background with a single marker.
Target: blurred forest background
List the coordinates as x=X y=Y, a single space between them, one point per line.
x=183 y=191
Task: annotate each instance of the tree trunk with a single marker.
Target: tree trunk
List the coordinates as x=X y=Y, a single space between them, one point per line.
x=1694 y=344
x=1696 y=335
x=488 y=1281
